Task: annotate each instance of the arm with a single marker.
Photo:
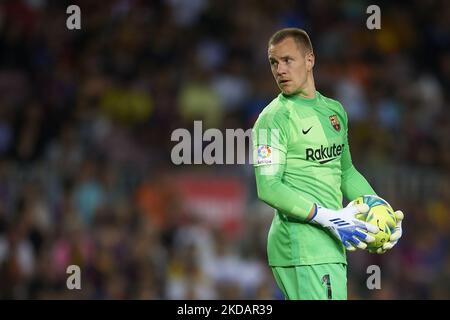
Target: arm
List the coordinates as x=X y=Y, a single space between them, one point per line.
x=275 y=193
x=270 y=144
x=353 y=183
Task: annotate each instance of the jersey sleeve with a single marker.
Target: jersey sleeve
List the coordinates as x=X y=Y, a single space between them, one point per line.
x=270 y=140
x=353 y=183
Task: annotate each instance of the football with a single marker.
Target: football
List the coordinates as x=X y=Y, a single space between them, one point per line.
x=381 y=215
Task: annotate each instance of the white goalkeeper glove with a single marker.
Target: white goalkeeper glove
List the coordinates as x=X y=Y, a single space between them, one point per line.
x=395 y=235
x=343 y=223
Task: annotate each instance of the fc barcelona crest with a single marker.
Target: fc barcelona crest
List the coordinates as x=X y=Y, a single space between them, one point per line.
x=335 y=122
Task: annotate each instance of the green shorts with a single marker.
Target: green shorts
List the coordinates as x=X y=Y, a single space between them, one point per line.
x=313 y=282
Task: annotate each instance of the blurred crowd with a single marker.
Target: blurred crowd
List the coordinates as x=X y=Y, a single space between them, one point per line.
x=86 y=118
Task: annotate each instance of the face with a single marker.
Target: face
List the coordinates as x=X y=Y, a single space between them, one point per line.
x=290 y=66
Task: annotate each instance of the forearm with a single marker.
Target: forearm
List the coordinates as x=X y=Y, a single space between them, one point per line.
x=354 y=184
x=278 y=195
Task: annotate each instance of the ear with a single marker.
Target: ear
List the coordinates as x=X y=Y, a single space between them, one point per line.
x=310 y=60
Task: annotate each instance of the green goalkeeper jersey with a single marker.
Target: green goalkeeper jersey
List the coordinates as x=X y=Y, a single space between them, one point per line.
x=302 y=157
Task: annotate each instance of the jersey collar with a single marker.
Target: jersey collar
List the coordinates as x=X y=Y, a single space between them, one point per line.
x=301 y=100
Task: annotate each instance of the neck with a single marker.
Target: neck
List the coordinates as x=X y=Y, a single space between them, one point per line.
x=309 y=91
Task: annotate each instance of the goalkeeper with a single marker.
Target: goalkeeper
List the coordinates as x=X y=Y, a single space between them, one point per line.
x=303 y=169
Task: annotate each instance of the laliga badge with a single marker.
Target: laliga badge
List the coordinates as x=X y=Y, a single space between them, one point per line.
x=265 y=154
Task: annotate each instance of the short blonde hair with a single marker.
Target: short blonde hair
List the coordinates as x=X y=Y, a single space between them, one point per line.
x=299 y=35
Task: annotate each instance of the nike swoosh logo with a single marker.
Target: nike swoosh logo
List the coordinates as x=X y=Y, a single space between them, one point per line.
x=327 y=160
x=305 y=132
